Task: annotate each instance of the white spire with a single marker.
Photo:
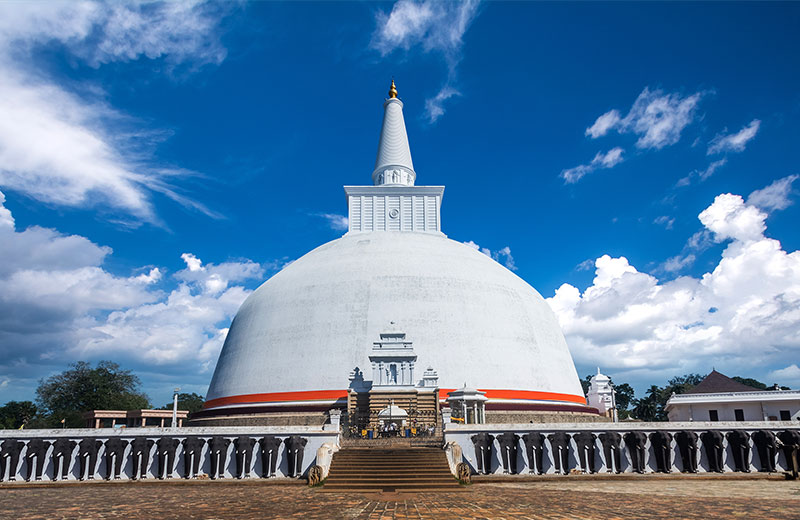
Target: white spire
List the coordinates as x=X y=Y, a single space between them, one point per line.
x=393 y=165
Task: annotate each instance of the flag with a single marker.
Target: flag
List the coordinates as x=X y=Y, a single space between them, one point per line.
x=62 y=421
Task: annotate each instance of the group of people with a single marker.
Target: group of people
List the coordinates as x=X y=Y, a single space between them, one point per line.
x=392 y=429
x=389 y=429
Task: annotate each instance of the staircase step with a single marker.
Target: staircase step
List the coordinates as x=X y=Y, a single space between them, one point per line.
x=330 y=488
x=383 y=464
x=373 y=471
x=375 y=475
x=394 y=469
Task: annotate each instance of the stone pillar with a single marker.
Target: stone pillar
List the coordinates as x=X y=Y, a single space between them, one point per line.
x=335 y=416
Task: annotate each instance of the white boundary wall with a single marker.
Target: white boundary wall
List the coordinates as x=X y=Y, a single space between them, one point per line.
x=316 y=437
x=462 y=435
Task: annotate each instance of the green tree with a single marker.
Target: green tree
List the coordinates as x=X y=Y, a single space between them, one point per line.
x=652 y=406
x=586 y=383
x=682 y=384
x=82 y=388
x=750 y=382
x=755 y=383
x=191 y=402
x=15 y=414
x=649 y=407
x=624 y=397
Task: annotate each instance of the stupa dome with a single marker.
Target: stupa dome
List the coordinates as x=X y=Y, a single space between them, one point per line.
x=305 y=329
x=296 y=342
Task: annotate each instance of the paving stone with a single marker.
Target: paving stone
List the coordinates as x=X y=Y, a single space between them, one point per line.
x=532 y=500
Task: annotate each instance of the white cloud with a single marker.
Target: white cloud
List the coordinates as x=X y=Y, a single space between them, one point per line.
x=604 y=123
x=407 y=25
x=713 y=167
x=59 y=304
x=602 y=160
x=153 y=276
x=789 y=376
x=730 y=218
x=677 y=263
x=657 y=118
x=660 y=118
x=100 y=32
x=192 y=262
x=434 y=107
x=696 y=244
x=6 y=218
x=69 y=147
x=182 y=31
x=745 y=312
x=502 y=256
x=734 y=142
x=700 y=241
x=336 y=222
x=775 y=196
x=214 y=278
x=435 y=27
x=665 y=221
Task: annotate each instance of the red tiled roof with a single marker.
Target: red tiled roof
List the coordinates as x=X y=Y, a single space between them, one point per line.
x=716 y=383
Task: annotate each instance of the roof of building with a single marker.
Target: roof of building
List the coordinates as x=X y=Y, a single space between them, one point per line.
x=392 y=411
x=466 y=393
x=598 y=377
x=116 y=414
x=716 y=383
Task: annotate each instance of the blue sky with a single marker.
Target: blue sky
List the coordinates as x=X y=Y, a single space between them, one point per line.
x=159 y=161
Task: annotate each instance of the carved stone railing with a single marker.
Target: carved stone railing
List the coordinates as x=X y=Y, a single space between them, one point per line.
x=669 y=452
x=222 y=452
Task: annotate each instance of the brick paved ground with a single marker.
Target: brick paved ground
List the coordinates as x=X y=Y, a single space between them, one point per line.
x=562 y=498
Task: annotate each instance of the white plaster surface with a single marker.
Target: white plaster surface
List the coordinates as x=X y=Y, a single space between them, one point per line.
x=461 y=434
x=474 y=320
x=394 y=154
x=756 y=406
x=316 y=438
x=600 y=393
x=394 y=208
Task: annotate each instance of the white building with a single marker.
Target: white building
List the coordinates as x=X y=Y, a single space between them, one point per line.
x=720 y=398
x=601 y=395
x=294 y=340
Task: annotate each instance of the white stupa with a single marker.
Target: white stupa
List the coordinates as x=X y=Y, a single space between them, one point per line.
x=601 y=394
x=297 y=338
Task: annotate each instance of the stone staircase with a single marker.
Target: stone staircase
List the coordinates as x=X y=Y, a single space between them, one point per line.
x=396 y=469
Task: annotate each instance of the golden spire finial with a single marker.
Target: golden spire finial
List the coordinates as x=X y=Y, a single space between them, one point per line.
x=392 y=90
